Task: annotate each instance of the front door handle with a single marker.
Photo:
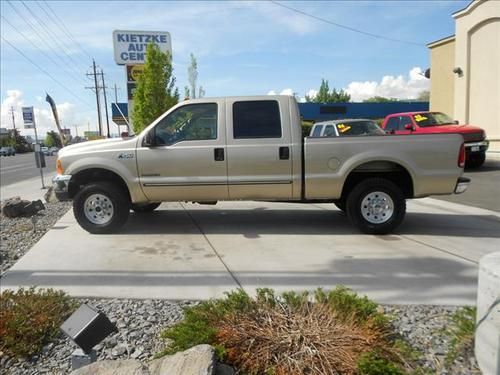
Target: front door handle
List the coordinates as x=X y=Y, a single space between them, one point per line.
x=284 y=153
x=219 y=154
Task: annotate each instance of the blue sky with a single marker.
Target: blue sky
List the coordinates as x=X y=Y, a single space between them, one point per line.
x=243 y=48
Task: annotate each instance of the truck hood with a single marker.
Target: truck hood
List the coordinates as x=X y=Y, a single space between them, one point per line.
x=98 y=145
x=462 y=129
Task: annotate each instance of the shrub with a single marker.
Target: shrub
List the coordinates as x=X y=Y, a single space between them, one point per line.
x=292 y=333
x=461 y=333
x=30 y=318
x=372 y=363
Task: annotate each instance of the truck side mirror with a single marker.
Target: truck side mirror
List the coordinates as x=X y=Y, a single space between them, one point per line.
x=409 y=127
x=149 y=139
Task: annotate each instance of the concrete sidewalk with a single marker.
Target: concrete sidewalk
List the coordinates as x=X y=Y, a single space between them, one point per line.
x=185 y=251
x=30 y=189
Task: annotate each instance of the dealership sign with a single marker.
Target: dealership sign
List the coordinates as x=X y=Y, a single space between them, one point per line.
x=28 y=117
x=130 y=46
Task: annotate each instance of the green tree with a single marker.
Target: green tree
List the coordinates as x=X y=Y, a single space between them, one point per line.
x=424 y=96
x=16 y=140
x=190 y=91
x=325 y=95
x=52 y=139
x=379 y=99
x=156 y=91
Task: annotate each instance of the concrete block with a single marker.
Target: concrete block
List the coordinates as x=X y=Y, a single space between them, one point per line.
x=487 y=344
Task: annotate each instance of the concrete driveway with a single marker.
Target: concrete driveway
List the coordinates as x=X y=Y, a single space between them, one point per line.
x=186 y=251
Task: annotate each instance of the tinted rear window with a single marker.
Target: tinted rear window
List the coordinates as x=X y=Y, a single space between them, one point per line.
x=256 y=119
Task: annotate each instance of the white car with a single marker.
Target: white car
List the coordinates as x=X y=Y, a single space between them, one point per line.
x=345 y=128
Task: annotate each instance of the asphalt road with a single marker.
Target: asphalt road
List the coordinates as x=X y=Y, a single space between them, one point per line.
x=22 y=167
x=484 y=190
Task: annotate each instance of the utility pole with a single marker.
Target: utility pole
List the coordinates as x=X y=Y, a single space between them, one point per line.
x=96 y=89
x=13 y=119
x=116 y=94
x=105 y=102
x=76 y=130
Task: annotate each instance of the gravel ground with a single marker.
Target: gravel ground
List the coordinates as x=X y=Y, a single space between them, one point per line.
x=423 y=327
x=18 y=235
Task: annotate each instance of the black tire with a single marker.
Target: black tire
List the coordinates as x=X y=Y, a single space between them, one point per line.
x=380 y=224
x=115 y=195
x=476 y=160
x=145 y=207
x=340 y=204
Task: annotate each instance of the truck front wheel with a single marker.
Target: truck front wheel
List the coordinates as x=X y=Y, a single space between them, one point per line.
x=101 y=207
x=376 y=206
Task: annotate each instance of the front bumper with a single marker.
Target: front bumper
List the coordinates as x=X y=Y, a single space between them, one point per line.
x=473 y=147
x=462 y=185
x=60 y=183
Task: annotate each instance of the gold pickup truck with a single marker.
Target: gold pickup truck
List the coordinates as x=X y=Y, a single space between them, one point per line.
x=251 y=148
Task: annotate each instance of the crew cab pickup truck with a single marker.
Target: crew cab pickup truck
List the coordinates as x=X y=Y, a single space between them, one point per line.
x=251 y=148
x=437 y=123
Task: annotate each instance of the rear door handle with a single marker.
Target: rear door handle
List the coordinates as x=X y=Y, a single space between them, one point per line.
x=219 y=154
x=284 y=153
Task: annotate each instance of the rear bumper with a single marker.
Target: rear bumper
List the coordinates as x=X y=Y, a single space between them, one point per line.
x=462 y=185
x=60 y=183
x=473 y=147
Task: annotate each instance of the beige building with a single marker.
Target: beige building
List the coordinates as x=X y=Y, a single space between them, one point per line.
x=465 y=69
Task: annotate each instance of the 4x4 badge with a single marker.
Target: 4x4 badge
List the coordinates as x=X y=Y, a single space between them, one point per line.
x=126 y=156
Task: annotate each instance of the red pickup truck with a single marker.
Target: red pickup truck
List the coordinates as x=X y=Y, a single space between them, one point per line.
x=437 y=122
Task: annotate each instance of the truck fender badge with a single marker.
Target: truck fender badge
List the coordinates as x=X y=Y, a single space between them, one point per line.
x=125 y=156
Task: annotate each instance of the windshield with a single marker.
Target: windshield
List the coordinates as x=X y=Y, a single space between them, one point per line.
x=432 y=119
x=350 y=128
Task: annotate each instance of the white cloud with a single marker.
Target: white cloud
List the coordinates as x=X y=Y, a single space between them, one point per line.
x=312 y=93
x=399 y=87
x=43 y=115
x=288 y=92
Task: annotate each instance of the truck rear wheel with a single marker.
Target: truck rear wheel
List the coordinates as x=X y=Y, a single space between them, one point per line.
x=376 y=206
x=145 y=207
x=101 y=207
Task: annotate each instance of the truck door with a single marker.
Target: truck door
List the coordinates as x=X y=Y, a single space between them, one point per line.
x=183 y=157
x=259 y=152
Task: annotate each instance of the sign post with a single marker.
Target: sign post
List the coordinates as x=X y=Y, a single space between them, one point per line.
x=130 y=50
x=29 y=123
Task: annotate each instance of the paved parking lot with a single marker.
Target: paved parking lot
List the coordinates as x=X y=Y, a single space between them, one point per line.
x=186 y=251
x=484 y=191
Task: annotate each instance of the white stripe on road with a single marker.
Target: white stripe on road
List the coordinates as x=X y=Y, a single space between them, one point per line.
x=17 y=166
x=2 y=171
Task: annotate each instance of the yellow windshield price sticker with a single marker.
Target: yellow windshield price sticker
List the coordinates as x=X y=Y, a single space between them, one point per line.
x=419 y=118
x=343 y=128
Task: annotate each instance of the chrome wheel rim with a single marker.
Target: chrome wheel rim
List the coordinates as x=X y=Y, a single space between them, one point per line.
x=377 y=207
x=98 y=209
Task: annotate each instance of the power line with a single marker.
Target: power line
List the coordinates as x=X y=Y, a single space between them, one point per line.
x=62 y=26
x=45 y=72
x=51 y=34
x=38 y=48
x=346 y=27
x=33 y=28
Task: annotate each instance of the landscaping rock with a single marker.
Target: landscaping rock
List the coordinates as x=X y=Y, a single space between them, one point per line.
x=50 y=196
x=16 y=207
x=198 y=360
x=119 y=367
x=223 y=369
